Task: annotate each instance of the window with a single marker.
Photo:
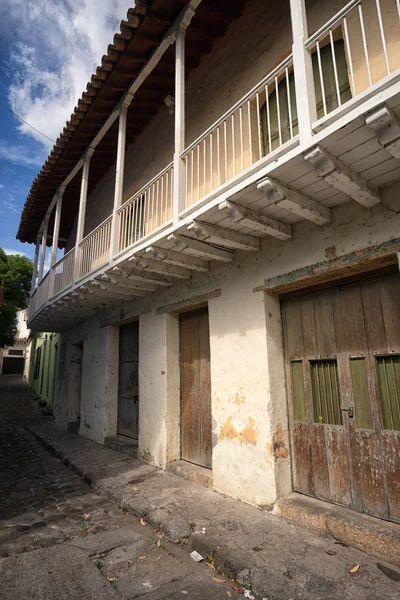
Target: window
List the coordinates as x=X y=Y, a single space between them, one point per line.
x=325 y=391
x=362 y=404
x=279 y=109
x=388 y=372
x=299 y=398
x=15 y=352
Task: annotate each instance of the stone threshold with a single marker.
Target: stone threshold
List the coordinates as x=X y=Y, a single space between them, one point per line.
x=124 y=444
x=245 y=543
x=348 y=527
x=192 y=472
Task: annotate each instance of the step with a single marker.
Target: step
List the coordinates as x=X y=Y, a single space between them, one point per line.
x=370 y=534
x=190 y=471
x=124 y=444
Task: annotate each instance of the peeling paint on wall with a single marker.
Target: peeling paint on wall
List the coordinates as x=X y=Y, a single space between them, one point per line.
x=248 y=435
x=280 y=448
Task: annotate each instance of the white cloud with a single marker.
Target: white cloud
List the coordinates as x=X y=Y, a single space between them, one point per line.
x=21 y=155
x=10 y=251
x=60 y=43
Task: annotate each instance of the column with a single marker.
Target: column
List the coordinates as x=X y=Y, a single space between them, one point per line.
x=119 y=173
x=56 y=233
x=35 y=264
x=303 y=73
x=82 y=211
x=179 y=166
x=43 y=249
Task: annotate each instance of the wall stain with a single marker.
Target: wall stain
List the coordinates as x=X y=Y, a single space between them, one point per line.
x=280 y=449
x=239 y=399
x=248 y=435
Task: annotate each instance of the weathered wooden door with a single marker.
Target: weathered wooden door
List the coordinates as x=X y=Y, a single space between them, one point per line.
x=128 y=389
x=196 y=388
x=342 y=350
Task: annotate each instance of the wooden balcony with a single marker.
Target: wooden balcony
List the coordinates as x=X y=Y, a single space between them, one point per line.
x=255 y=172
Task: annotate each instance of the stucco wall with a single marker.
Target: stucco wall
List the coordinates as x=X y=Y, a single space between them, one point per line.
x=251 y=446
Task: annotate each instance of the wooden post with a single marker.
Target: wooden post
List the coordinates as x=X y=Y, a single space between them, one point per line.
x=82 y=211
x=56 y=234
x=35 y=264
x=119 y=173
x=303 y=73
x=179 y=166
x=43 y=249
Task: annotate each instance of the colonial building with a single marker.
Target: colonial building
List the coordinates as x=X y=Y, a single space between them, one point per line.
x=227 y=198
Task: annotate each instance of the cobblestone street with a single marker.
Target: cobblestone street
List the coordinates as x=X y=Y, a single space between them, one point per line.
x=59 y=540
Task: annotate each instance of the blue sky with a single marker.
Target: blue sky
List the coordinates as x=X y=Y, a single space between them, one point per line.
x=48 y=50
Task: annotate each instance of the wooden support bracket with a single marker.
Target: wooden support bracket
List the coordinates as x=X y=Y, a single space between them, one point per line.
x=250 y=218
x=336 y=173
x=293 y=200
x=203 y=250
x=387 y=128
x=224 y=237
x=176 y=258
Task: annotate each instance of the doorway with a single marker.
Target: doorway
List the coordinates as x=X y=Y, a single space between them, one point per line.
x=196 y=421
x=128 y=388
x=342 y=354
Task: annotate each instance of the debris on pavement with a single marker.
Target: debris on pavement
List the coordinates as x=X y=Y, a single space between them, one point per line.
x=248 y=594
x=196 y=556
x=355 y=569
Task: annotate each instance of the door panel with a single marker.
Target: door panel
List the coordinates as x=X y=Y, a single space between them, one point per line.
x=345 y=438
x=128 y=388
x=196 y=388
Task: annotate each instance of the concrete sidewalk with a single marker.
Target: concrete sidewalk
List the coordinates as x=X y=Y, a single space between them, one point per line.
x=262 y=552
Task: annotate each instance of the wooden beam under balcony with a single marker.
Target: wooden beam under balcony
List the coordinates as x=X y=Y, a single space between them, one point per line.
x=281 y=195
x=336 y=173
x=119 y=290
x=159 y=267
x=201 y=249
x=125 y=283
x=250 y=218
x=137 y=275
x=224 y=237
x=176 y=258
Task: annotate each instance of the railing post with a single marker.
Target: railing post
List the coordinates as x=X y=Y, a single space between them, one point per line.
x=35 y=264
x=303 y=73
x=119 y=172
x=56 y=233
x=178 y=203
x=82 y=211
x=43 y=249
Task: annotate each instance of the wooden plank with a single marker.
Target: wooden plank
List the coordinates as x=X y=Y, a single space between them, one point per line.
x=374 y=323
x=361 y=261
x=390 y=297
x=391 y=460
x=338 y=464
x=320 y=461
x=205 y=412
x=302 y=471
x=325 y=324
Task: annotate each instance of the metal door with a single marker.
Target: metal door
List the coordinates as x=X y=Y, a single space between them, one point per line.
x=196 y=387
x=342 y=351
x=128 y=389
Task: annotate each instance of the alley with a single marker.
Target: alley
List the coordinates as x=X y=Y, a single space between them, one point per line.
x=60 y=540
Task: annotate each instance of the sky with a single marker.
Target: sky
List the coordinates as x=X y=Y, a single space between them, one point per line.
x=48 y=51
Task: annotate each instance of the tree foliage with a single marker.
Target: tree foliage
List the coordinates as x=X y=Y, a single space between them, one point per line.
x=15 y=281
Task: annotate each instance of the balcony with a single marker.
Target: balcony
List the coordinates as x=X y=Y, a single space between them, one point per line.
x=255 y=172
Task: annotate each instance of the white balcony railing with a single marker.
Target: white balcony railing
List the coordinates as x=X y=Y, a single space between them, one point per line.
x=148 y=209
x=354 y=50
x=63 y=272
x=259 y=123
x=95 y=248
x=43 y=291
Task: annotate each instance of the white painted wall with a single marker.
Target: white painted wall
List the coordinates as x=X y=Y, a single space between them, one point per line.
x=251 y=448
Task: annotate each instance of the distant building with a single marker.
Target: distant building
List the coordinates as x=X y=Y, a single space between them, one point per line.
x=12 y=358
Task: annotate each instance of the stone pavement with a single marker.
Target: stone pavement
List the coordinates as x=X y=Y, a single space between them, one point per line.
x=60 y=540
x=96 y=553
